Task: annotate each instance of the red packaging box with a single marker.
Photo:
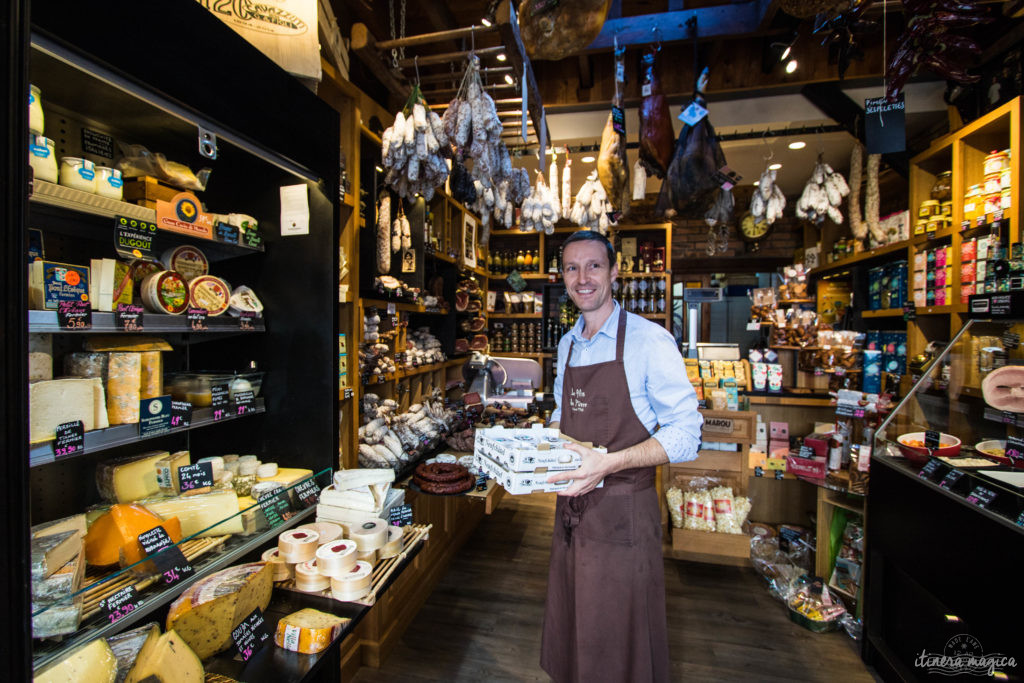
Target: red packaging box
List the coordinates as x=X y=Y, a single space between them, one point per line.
x=819 y=442
x=806 y=467
x=968 y=250
x=967 y=273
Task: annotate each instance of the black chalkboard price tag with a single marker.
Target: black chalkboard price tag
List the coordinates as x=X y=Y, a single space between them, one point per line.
x=806 y=451
x=227 y=233
x=128 y=317
x=929 y=470
x=197 y=319
x=197 y=476
x=1020 y=519
x=981 y=496
x=932 y=439
x=276 y=507
x=120 y=604
x=245 y=402
x=70 y=439
x=1014 y=449
x=181 y=414
x=951 y=478
x=1011 y=340
x=247 y=321
x=253 y=239
x=909 y=311
x=400 y=515
x=779 y=474
x=308 y=493
x=758 y=471
x=219 y=400
x=169 y=561
x=74 y=315
x=250 y=635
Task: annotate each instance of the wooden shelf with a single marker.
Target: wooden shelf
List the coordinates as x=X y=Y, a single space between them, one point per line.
x=378 y=379
x=515 y=354
x=370 y=134
x=788 y=302
x=349 y=200
x=403 y=373
x=789 y=401
x=403 y=306
x=832 y=499
x=655 y=316
x=937 y=235
x=515 y=233
x=942 y=310
x=862 y=256
x=525 y=276
x=514 y=316
x=441 y=257
x=882 y=313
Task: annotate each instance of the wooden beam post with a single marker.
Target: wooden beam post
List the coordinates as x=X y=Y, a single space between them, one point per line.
x=508 y=28
x=364 y=45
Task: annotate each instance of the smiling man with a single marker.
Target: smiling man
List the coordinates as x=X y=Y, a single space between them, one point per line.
x=621 y=384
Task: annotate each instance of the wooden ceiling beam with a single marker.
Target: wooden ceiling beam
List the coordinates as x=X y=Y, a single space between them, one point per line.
x=365 y=46
x=508 y=28
x=723 y=20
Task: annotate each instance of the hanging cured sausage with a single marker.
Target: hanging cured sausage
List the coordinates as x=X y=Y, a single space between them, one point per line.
x=655 y=119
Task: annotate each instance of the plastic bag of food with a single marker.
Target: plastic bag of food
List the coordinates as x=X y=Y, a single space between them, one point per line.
x=774 y=565
x=813 y=606
x=139 y=161
x=674 y=500
x=730 y=511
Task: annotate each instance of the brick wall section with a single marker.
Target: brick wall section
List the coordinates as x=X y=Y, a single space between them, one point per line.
x=689 y=240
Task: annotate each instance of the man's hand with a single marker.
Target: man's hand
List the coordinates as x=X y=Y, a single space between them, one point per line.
x=593 y=468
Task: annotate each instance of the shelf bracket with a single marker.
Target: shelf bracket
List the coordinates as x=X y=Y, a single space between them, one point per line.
x=207 y=143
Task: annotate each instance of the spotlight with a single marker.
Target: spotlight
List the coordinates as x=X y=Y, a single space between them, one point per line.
x=791 y=66
x=509 y=80
x=502 y=57
x=486 y=22
x=379 y=169
x=757 y=183
x=799 y=144
x=775 y=167
x=588 y=159
x=785 y=53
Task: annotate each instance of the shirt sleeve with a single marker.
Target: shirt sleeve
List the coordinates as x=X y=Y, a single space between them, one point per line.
x=673 y=400
x=563 y=350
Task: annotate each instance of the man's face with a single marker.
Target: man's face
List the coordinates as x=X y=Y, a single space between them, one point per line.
x=587 y=275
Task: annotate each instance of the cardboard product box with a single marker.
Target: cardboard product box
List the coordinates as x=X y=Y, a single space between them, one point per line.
x=51 y=282
x=833 y=299
x=525 y=450
x=519 y=483
x=871 y=378
x=806 y=467
x=819 y=442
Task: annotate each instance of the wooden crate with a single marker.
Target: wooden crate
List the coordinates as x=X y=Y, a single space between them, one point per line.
x=808 y=380
x=148 y=189
x=733 y=426
x=711 y=546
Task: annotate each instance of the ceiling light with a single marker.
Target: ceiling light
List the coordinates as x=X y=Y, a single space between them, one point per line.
x=588 y=159
x=775 y=167
x=785 y=53
x=791 y=66
x=486 y=22
x=757 y=183
x=379 y=169
x=509 y=80
x=799 y=144
x=502 y=57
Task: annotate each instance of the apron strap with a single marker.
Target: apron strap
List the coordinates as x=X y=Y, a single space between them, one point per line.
x=620 y=335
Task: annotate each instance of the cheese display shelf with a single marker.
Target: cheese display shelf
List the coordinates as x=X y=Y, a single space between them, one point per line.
x=946 y=524
x=122 y=435
x=46 y=322
x=102 y=100
x=205 y=550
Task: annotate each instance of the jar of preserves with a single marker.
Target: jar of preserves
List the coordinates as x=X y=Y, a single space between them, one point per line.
x=78 y=173
x=942 y=188
x=42 y=159
x=35 y=112
x=996 y=161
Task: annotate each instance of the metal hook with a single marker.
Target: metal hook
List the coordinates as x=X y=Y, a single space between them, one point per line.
x=657 y=37
x=764 y=139
x=416 y=63
x=472 y=40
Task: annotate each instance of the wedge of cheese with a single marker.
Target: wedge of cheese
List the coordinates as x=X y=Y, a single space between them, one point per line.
x=124 y=388
x=61 y=584
x=99 y=403
x=362 y=498
x=308 y=631
x=113 y=537
x=205 y=614
x=166 y=659
x=137 y=343
x=167 y=472
x=131 y=478
x=72 y=523
x=127 y=645
x=355 y=478
x=209 y=514
x=53 y=402
x=40 y=357
x=50 y=553
x=152 y=374
x=93 y=662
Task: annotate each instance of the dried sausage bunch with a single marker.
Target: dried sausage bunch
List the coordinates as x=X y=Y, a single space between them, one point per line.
x=541 y=209
x=390 y=439
x=592 y=206
x=414 y=150
x=768 y=201
x=823 y=194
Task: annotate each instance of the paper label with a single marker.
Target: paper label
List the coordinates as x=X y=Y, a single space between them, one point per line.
x=154 y=416
x=693 y=114
x=294 y=210
x=133 y=238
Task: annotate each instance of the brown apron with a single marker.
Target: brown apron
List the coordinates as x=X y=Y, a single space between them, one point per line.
x=605 y=614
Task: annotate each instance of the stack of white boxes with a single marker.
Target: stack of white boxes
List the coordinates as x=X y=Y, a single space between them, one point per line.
x=521 y=460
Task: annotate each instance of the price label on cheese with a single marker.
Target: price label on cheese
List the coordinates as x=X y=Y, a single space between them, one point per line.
x=154 y=416
x=197 y=319
x=245 y=402
x=951 y=478
x=250 y=635
x=981 y=496
x=120 y=604
x=1020 y=519
x=931 y=439
x=128 y=317
x=70 y=439
x=929 y=470
x=253 y=238
x=400 y=515
x=308 y=493
x=74 y=315
x=181 y=414
x=168 y=559
x=227 y=233
x=276 y=507
x=197 y=476
x=247 y=321
x=219 y=399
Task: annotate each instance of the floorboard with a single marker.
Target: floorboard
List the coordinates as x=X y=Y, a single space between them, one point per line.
x=483 y=621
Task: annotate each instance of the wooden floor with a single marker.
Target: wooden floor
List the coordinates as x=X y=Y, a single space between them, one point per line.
x=483 y=621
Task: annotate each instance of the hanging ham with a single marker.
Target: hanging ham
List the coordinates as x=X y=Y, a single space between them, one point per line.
x=612 y=164
x=555 y=30
x=655 y=119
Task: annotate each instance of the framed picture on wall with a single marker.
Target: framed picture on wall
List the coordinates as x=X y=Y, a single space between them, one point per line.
x=468 y=241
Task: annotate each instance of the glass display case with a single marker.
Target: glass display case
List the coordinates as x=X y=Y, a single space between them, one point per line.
x=960 y=426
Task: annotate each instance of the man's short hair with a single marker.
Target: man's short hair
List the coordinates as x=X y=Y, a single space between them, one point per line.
x=592 y=236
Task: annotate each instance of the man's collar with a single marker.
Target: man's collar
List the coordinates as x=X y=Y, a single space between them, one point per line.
x=609 y=328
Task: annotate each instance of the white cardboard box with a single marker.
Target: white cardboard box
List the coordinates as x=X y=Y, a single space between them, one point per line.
x=518 y=483
x=524 y=450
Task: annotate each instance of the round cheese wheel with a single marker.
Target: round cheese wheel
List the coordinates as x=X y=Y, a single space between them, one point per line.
x=211 y=293
x=1003 y=388
x=187 y=260
x=165 y=292
x=244 y=299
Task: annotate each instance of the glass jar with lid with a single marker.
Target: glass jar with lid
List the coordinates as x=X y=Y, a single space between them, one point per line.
x=942 y=188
